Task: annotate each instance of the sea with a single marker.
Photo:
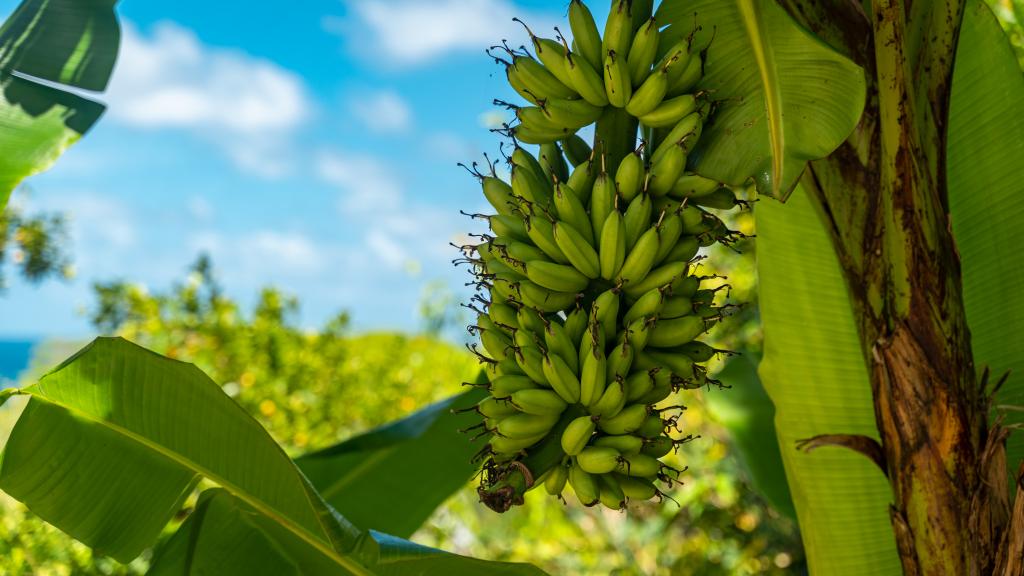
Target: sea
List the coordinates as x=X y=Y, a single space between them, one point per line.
x=14 y=358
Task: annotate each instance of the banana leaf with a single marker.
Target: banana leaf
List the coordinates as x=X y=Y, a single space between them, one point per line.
x=392 y=478
x=112 y=442
x=783 y=97
x=986 y=202
x=66 y=42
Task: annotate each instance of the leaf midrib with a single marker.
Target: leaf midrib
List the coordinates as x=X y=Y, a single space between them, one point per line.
x=769 y=79
x=259 y=505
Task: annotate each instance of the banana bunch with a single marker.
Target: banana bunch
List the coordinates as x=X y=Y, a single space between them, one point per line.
x=589 y=306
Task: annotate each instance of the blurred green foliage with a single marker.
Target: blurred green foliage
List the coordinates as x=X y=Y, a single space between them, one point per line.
x=1011 y=16
x=34 y=245
x=311 y=388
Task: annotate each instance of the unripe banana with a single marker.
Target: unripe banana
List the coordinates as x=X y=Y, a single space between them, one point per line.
x=503 y=315
x=585 y=34
x=537 y=79
x=636 y=488
x=680 y=366
x=697 y=351
x=629 y=176
x=543 y=299
x=582 y=180
x=556 y=277
x=516 y=254
x=670 y=111
x=562 y=379
x=642 y=52
x=522 y=425
x=584 y=485
x=677 y=306
x=505 y=385
x=617 y=85
x=650 y=94
x=652 y=427
x=552 y=162
x=668 y=236
x=624 y=444
x=555 y=481
x=602 y=200
x=637 y=219
x=525 y=185
x=521 y=159
x=531 y=361
x=574 y=114
x=666 y=171
x=577 y=249
x=640 y=383
x=531 y=321
x=611 y=402
x=592 y=376
x=534 y=118
x=685 y=133
x=676 y=331
x=558 y=341
x=612 y=496
x=620 y=359
x=496 y=344
x=498 y=194
x=510 y=446
x=658 y=447
x=684 y=250
x=618 y=29
x=639 y=465
x=606 y=311
x=508 y=226
x=640 y=259
x=576 y=324
x=721 y=199
x=688 y=80
x=662 y=389
x=598 y=459
x=539 y=402
x=493 y=408
x=693 y=186
x=638 y=331
x=675 y=61
x=586 y=80
x=576 y=149
x=570 y=209
x=612 y=246
x=551 y=54
x=593 y=339
x=541 y=232
x=647 y=305
x=628 y=420
x=657 y=278
x=532 y=134
x=577 y=434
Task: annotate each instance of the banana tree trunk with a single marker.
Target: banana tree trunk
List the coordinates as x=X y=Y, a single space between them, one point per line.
x=883 y=197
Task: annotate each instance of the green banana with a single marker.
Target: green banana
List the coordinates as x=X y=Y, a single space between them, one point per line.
x=640 y=383
x=523 y=160
x=685 y=133
x=493 y=408
x=680 y=366
x=612 y=496
x=582 y=180
x=650 y=94
x=531 y=321
x=647 y=305
x=541 y=231
x=552 y=161
x=612 y=246
x=543 y=299
x=555 y=481
x=575 y=114
x=585 y=34
x=529 y=134
x=675 y=61
x=689 y=77
x=598 y=459
x=535 y=78
x=611 y=402
x=576 y=324
x=620 y=359
x=510 y=446
x=652 y=427
x=662 y=389
x=577 y=249
x=670 y=111
x=638 y=332
x=657 y=278
x=558 y=341
x=538 y=402
x=677 y=306
x=669 y=332
x=658 y=447
x=697 y=351
x=508 y=226
x=531 y=361
x=496 y=344
x=592 y=376
x=721 y=199
x=636 y=488
x=666 y=171
x=522 y=425
x=562 y=379
x=505 y=385
x=639 y=465
x=684 y=250
x=577 y=434
x=618 y=29
x=629 y=176
x=616 y=80
x=602 y=200
x=576 y=149
x=551 y=54
x=498 y=194
x=584 y=485
x=624 y=444
x=693 y=186
x=606 y=311
x=668 y=236
x=628 y=420
x=525 y=185
x=642 y=52
x=570 y=209
x=637 y=218
x=557 y=277
x=503 y=315
x=586 y=80
x=640 y=259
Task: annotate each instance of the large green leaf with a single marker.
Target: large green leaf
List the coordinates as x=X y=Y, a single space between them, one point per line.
x=69 y=42
x=112 y=441
x=986 y=200
x=392 y=478
x=815 y=373
x=749 y=415
x=783 y=96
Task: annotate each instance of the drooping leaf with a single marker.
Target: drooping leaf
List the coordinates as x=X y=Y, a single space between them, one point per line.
x=69 y=42
x=986 y=200
x=748 y=413
x=783 y=96
x=113 y=440
x=392 y=478
x=814 y=371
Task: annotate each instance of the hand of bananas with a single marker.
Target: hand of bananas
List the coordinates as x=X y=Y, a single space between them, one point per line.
x=588 y=304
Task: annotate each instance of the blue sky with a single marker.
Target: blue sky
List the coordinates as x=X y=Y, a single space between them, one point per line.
x=307 y=145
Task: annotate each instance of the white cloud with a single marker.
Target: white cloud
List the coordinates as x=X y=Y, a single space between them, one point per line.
x=199 y=208
x=410 y=32
x=383 y=111
x=247 y=105
x=262 y=254
x=366 y=183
